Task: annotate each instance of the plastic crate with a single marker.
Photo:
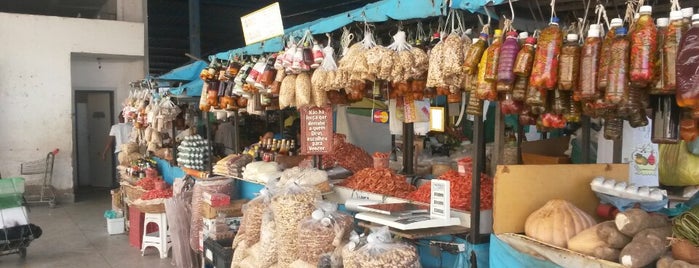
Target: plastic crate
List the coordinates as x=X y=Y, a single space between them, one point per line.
x=11 y=186
x=218 y=252
x=10 y=200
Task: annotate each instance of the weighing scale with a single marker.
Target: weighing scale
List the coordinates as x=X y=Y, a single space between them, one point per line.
x=408 y=216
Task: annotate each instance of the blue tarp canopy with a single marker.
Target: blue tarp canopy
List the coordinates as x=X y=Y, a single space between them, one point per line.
x=374 y=12
x=188 y=72
x=192 y=88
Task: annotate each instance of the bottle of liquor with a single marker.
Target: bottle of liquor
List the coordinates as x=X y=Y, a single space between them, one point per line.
x=283 y=150
x=292 y=148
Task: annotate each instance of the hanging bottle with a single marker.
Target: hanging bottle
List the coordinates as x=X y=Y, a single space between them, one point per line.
x=526 y=117
x=589 y=62
x=486 y=89
x=605 y=55
x=666 y=119
x=545 y=69
x=613 y=127
x=519 y=88
x=688 y=67
x=687 y=14
x=644 y=43
x=673 y=36
x=569 y=64
x=510 y=106
x=475 y=53
x=525 y=58
x=574 y=112
x=475 y=105
x=634 y=108
x=508 y=55
x=657 y=84
x=537 y=99
x=491 y=65
x=689 y=130
x=561 y=101
x=617 y=87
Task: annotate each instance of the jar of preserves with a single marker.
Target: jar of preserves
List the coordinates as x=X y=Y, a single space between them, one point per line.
x=617 y=77
x=569 y=64
x=605 y=55
x=545 y=69
x=644 y=43
x=589 y=63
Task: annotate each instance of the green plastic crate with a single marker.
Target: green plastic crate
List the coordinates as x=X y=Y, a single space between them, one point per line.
x=10 y=201
x=11 y=186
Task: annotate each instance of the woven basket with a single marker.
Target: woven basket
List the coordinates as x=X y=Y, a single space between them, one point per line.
x=132 y=192
x=149 y=207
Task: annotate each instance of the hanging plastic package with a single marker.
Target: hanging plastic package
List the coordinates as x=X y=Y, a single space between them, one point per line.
x=644 y=44
x=522 y=69
x=589 y=64
x=510 y=106
x=569 y=64
x=491 y=65
x=688 y=68
x=689 y=129
x=678 y=167
x=475 y=53
x=617 y=87
x=613 y=127
x=605 y=54
x=545 y=69
x=485 y=89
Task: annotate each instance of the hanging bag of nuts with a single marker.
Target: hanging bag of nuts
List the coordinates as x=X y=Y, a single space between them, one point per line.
x=381 y=251
x=249 y=231
x=290 y=205
x=321 y=233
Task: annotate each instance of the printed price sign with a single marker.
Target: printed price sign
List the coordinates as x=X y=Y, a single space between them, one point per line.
x=316 y=130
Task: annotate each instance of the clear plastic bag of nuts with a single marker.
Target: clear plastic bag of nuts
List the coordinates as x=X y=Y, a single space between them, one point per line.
x=290 y=205
x=380 y=251
x=323 y=232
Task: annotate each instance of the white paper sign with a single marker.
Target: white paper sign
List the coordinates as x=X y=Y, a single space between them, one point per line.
x=262 y=24
x=641 y=154
x=440 y=202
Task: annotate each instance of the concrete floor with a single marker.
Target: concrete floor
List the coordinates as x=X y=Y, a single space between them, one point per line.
x=75 y=235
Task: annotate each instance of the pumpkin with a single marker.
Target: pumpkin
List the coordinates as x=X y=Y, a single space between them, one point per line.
x=556 y=222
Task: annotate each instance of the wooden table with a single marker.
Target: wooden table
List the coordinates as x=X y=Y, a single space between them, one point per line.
x=420 y=233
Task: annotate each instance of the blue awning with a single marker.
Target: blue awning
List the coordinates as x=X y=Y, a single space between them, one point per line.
x=188 y=72
x=192 y=88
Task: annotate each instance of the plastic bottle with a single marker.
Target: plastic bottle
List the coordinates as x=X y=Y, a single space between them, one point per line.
x=537 y=99
x=485 y=89
x=491 y=65
x=545 y=69
x=613 y=127
x=561 y=101
x=666 y=119
x=574 y=112
x=519 y=88
x=522 y=38
x=687 y=67
x=508 y=53
x=644 y=43
x=604 y=57
x=569 y=64
x=673 y=36
x=510 y=106
x=475 y=105
x=689 y=130
x=589 y=60
x=657 y=85
x=687 y=14
x=617 y=77
x=474 y=54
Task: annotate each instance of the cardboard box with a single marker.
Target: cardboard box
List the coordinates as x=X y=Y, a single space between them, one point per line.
x=519 y=190
x=231 y=210
x=545 y=152
x=232 y=223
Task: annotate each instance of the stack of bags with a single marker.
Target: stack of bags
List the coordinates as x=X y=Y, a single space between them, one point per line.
x=232 y=165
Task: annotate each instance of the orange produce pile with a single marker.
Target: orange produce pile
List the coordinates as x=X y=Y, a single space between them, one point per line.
x=460 y=190
x=381 y=181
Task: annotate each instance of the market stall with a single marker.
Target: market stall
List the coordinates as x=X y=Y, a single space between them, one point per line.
x=436 y=199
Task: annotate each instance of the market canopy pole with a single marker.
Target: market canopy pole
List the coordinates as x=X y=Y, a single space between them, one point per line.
x=477 y=168
x=194 y=28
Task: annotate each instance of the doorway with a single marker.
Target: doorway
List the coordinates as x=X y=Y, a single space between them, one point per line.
x=93 y=119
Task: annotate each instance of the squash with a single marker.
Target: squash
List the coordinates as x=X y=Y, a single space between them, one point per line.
x=556 y=222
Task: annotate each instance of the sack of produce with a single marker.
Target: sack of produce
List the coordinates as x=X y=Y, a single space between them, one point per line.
x=290 y=205
x=678 y=167
x=264 y=253
x=249 y=231
x=380 y=251
x=321 y=234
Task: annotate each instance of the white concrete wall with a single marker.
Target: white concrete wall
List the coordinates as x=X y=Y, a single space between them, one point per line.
x=36 y=100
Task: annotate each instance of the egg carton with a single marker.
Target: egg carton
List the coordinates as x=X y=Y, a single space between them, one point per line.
x=625 y=190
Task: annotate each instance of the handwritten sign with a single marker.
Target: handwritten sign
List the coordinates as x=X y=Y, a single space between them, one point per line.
x=262 y=24
x=316 y=130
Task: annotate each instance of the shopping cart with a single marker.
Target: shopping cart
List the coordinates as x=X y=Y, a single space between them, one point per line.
x=42 y=166
x=16 y=233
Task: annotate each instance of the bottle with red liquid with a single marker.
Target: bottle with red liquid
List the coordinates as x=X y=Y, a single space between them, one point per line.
x=644 y=43
x=605 y=55
x=545 y=69
x=589 y=62
x=657 y=84
x=687 y=67
x=666 y=120
x=673 y=36
x=569 y=64
x=617 y=76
